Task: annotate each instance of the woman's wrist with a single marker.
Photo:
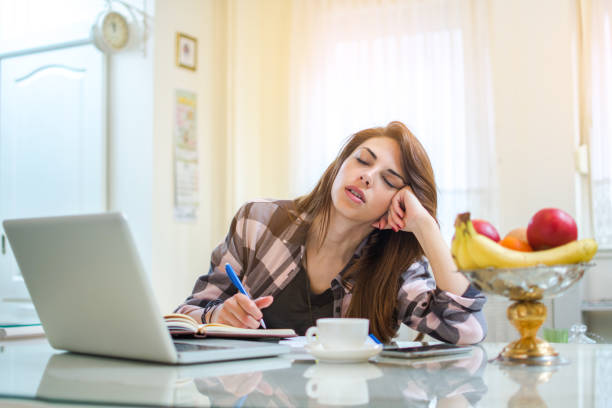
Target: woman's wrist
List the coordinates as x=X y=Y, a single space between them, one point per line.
x=437 y=252
x=214 y=312
x=424 y=225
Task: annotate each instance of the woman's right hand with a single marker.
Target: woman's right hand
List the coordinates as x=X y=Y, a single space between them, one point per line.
x=240 y=311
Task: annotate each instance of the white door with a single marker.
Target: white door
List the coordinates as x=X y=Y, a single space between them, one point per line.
x=52 y=142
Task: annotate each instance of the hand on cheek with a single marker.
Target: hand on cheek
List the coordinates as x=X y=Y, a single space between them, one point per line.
x=402 y=213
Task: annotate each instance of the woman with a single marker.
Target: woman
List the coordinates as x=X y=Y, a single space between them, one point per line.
x=359 y=245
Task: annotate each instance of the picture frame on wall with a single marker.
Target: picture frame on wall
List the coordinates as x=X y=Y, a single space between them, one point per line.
x=186 y=51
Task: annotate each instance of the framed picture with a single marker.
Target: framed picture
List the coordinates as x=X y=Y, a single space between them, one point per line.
x=186 y=51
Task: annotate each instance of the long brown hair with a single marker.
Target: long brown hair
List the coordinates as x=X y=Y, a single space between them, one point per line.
x=388 y=254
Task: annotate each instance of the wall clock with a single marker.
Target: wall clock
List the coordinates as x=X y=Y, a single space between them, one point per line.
x=111 y=32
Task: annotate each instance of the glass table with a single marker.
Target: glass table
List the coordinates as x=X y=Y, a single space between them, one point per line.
x=32 y=373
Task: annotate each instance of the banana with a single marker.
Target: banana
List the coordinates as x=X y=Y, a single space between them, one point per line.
x=467 y=260
x=462 y=258
x=474 y=251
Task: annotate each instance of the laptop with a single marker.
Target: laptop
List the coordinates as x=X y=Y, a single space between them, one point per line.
x=92 y=295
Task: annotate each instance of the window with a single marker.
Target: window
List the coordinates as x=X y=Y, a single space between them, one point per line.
x=600 y=62
x=359 y=64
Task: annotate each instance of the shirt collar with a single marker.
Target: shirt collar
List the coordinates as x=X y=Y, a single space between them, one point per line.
x=298 y=230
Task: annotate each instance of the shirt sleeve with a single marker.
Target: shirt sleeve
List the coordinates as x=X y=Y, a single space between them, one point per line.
x=438 y=313
x=214 y=287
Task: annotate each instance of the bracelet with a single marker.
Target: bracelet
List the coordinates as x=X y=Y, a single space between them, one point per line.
x=212 y=312
x=209 y=307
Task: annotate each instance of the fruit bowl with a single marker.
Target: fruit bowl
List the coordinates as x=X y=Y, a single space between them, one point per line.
x=533 y=283
x=527 y=286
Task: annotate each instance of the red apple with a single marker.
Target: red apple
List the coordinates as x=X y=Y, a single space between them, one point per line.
x=550 y=228
x=485 y=228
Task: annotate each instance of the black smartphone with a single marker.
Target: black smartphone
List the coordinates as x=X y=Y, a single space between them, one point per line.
x=425 y=351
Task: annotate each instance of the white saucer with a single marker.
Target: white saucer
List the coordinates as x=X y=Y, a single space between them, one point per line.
x=344 y=356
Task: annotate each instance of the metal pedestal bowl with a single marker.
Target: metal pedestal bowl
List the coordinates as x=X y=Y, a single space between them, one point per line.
x=527 y=286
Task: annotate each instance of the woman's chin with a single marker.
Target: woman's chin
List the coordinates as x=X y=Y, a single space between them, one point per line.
x=357 y=216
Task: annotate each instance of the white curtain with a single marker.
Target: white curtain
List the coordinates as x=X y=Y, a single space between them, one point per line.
x=599 y=64
x=359 y=63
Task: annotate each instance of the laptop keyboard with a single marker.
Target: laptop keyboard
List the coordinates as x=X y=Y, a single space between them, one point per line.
x=181 y=347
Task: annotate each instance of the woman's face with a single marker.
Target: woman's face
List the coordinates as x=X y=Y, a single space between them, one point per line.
x=368 y=180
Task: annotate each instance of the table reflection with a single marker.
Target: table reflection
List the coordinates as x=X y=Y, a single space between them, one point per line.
x=340 y=384
x=41 y=373
x=528 y=378
x=255 y=388
x=77 y=378
x=450 y=381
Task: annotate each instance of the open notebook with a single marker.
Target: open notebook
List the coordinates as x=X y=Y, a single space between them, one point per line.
x=181 y=325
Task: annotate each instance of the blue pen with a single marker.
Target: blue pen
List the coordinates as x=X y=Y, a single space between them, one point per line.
x=373 y=337
x=234 y=278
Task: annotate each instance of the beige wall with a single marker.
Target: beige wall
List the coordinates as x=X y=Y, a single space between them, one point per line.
x=242 y=93
x=535 y=106
x=181 y=250
x=258 y=70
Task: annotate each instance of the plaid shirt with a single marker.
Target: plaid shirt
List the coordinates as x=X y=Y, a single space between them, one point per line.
x=267 y=255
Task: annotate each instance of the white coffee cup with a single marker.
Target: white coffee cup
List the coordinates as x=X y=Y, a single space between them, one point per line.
x=339 y=333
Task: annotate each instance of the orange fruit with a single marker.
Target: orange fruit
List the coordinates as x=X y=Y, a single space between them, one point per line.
x=519 y=233
x=515 y=243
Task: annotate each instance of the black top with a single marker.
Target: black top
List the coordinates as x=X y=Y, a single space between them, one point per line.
x=290 y=307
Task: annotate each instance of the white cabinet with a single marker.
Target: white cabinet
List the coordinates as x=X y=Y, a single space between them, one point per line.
x=52 y=140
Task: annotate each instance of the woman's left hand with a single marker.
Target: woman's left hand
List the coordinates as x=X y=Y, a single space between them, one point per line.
x=404 y=213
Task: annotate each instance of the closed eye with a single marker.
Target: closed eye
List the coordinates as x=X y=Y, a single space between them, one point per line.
x=388 y=183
